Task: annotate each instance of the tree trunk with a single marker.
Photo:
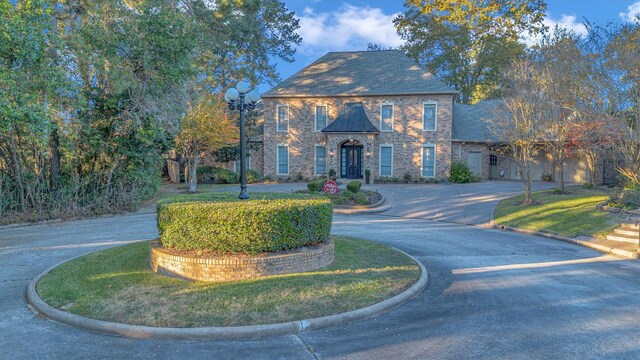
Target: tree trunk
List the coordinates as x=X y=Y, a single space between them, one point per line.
x=525 y=176
x=193 y=177
x=54 y=151
x=591 y=158
x=561 y=169
x=17 y=176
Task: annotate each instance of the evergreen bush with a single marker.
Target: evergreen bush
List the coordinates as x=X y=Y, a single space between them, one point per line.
x=220 y=223
x=460 y=173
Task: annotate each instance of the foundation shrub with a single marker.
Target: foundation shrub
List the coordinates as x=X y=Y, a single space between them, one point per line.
x=460 y=173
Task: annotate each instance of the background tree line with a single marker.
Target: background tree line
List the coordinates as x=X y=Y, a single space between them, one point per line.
x=92 y=93
x=566 y=94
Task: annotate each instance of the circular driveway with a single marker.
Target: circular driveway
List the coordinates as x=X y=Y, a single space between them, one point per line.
x=491 y=294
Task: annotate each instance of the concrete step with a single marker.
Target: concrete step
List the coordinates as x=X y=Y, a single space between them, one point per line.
x=627 y=231
x=622 y=238
x=630 y=225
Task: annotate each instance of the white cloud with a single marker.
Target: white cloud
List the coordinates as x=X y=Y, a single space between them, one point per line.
x=568 y=22
x=348 y=28
x=633 y=10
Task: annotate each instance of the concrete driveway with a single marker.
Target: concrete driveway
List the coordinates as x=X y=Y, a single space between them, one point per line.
x=491 y=295
x=471 y=203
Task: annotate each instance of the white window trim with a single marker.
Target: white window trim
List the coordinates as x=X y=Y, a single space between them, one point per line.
x=380 y=159
x=393 y=115
x=315 y=122
x=315 y=159
x=435 y=123
x=278 y=159
x=278 y=122
x=435 y=159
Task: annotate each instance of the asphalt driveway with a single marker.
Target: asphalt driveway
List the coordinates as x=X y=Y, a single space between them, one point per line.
x=491 y=295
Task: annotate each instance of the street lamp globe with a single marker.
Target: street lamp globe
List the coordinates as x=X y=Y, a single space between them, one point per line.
x=253 y=96
x=243 y=86
x=231 y=95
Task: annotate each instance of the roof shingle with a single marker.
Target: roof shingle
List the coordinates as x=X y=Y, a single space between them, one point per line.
x=357 y=73
x=470 y=121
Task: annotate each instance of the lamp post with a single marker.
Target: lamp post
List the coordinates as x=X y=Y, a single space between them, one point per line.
x=241 y=99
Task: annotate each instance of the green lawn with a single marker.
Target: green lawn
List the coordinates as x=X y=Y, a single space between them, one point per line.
x=563 y=214
x=168 y=189
x=117 y=285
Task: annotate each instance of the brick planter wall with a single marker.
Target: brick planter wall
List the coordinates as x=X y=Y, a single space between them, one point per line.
x=232 y=268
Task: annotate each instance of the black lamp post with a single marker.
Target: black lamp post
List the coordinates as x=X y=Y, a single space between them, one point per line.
x=242 y=99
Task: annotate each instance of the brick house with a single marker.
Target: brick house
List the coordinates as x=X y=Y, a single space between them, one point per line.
x=378 y=111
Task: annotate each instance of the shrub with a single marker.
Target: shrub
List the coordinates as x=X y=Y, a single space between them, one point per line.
x=253 y=176
x=343 y=199
x=204 y=173
x=220 y=223
x=332 y=173
x=460 y=173
x=587 y=185
x=630 y=198
x=354 y=186
x=361 y=198
x=315 y=185
x=407 y=177
x=224 y=176
x=299 y=176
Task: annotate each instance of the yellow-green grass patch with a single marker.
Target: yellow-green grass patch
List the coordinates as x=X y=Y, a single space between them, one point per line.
x=569 y=215
x=117 y=285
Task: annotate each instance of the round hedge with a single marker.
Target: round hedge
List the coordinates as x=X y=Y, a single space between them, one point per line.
x=221 y=223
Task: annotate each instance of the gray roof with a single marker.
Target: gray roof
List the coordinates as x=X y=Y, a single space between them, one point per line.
x=387 y=72
x=470 y=121
x=352 y=119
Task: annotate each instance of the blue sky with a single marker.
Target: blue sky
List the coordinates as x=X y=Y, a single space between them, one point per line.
x=342 y=25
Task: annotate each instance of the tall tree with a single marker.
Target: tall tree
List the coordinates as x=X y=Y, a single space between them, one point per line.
x=560 y=59
x=239 y=39
x=519 y=122
x=205 y=128
x=468 y=43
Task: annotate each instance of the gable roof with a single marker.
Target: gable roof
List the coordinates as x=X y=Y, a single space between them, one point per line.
x=352 y=119
x=470 y=121
x=387 y=72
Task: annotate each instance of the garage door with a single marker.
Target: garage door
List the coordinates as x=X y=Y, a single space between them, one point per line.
x=474 y=161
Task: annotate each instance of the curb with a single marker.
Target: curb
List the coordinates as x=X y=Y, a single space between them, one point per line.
x=235 y=332
x=598 y=247
x=366 y=209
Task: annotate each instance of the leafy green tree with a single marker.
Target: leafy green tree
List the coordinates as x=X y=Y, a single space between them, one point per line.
x=468 y=43
x=205 y=128
x=29 y=85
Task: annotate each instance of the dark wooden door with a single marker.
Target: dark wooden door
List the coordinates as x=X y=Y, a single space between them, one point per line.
x=353 y=161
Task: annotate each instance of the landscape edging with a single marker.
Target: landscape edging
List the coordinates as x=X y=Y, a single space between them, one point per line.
x=235 y=332
x=598 y=247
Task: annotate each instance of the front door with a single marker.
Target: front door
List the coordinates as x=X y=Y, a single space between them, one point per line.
x=351 y=161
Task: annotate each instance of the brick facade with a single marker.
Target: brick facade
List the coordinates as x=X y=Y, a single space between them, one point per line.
x=233 y=268
x=407 y=137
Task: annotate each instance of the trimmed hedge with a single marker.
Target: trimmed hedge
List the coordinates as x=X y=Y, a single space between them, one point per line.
x=221 y=223
x=315 y=186
x=354 y=186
